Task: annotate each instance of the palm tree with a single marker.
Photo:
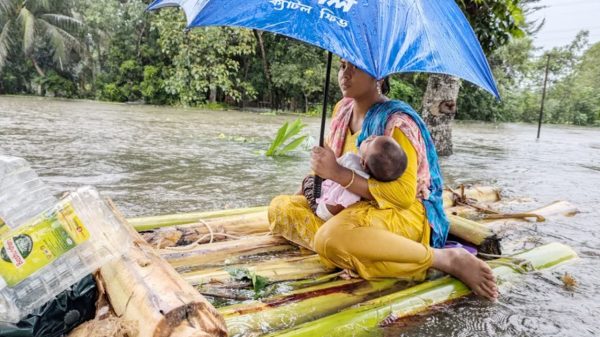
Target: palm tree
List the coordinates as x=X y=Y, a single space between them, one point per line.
x=25 y=22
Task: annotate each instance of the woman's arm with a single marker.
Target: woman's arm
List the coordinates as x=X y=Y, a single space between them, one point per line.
x=324 y=164
x=402 y=192
x=360 y=185
x=399 y=193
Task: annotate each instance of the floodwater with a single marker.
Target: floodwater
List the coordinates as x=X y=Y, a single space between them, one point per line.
x=156 y=160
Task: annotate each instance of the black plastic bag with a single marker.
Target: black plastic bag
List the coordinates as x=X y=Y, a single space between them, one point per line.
x=56 y=318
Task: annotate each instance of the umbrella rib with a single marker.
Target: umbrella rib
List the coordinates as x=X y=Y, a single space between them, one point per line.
x=426 y=33
x=405 y=28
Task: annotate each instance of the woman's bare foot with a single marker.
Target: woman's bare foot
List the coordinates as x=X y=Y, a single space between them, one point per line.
x=475 y=273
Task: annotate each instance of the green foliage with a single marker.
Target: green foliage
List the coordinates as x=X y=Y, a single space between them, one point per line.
x=116 y=51
x=24 y=23
x=409 y=88
x=56 y=85
x=283 y=136
x=572 y=95
x=216 y=106
x=152 y=86
x=298 y=72
x=495 y=22
x=204 y=62
x=259 y=283
x=112 y=92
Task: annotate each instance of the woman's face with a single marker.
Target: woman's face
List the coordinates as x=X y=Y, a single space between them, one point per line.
x=355 y=83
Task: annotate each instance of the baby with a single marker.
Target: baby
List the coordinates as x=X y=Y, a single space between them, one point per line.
x=380 y=157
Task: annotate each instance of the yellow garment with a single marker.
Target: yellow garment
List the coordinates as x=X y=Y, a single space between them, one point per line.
x=386 y=237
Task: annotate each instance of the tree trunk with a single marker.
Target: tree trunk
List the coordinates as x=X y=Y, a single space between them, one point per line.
x=266 y=66
x=37 y=67
x=213 y=94
x=439 y=109
x=305 y=103
x=147 y=292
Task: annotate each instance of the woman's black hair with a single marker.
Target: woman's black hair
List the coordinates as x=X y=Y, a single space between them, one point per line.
x=385 y=85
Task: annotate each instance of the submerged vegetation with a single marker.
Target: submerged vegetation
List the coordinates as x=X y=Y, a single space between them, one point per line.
x=283 y=143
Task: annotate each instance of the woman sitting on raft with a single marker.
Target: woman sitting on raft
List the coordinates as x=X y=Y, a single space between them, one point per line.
x=399 y=229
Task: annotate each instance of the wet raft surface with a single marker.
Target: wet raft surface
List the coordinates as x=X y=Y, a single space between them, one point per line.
x=261 y=284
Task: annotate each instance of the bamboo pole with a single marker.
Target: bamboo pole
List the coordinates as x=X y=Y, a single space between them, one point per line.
x=228 y=227
x=363 y=319
x=155 y=222
x=226 y=252
x=481 y=235
x=147 y=291
x=285 y=311
x=276 y=270
x=483 y=194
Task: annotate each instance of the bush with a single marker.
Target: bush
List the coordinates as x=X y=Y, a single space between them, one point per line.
x=54 y=84
x=111 y=92
x=152 y=87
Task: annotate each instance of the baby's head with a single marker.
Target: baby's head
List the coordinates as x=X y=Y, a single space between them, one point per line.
x=383 y=158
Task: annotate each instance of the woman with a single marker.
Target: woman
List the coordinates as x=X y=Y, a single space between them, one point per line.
x=389 y=233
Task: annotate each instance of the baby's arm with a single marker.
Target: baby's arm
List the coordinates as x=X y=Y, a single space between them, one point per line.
x=335 y=209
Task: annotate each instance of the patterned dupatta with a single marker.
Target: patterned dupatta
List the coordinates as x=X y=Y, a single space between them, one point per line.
x=382 y=119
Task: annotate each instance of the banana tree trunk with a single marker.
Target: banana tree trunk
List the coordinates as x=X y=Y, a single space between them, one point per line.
x=363 y=319
x=439 y=109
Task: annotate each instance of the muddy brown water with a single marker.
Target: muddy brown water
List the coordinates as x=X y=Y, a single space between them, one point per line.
x=156 y=160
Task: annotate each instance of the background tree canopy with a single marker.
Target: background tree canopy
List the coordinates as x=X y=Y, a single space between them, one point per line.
x=114 y=50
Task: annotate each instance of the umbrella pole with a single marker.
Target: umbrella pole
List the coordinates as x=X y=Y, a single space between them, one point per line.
x=319 y=180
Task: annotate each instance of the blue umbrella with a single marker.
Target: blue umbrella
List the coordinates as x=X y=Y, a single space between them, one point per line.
x=380 y=37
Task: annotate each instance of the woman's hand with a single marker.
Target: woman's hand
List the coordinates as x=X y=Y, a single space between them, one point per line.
x=323 y=163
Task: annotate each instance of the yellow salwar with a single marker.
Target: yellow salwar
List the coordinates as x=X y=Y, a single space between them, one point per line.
x=386 y=237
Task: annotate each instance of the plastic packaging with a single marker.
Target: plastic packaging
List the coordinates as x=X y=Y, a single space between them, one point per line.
x=58 y=317
x=56 y=249
x=22 y=194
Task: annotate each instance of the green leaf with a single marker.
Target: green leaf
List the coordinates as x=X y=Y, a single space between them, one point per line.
x=259 y=283
x=6 y=6
x=279 y=138
x=293 y=129
x=28 y=25
x=64 y=22
x=5 y=42
x=292 y=146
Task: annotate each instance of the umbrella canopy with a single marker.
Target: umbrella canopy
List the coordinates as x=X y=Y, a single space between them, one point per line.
x=381 y=37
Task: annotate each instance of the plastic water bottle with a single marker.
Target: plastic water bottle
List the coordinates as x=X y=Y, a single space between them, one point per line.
x=22 y=194
x=54 y=249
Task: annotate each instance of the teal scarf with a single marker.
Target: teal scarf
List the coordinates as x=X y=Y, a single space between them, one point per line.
x=374 y=125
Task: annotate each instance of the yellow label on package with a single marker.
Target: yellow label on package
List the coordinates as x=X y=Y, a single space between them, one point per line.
x=27 y=249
